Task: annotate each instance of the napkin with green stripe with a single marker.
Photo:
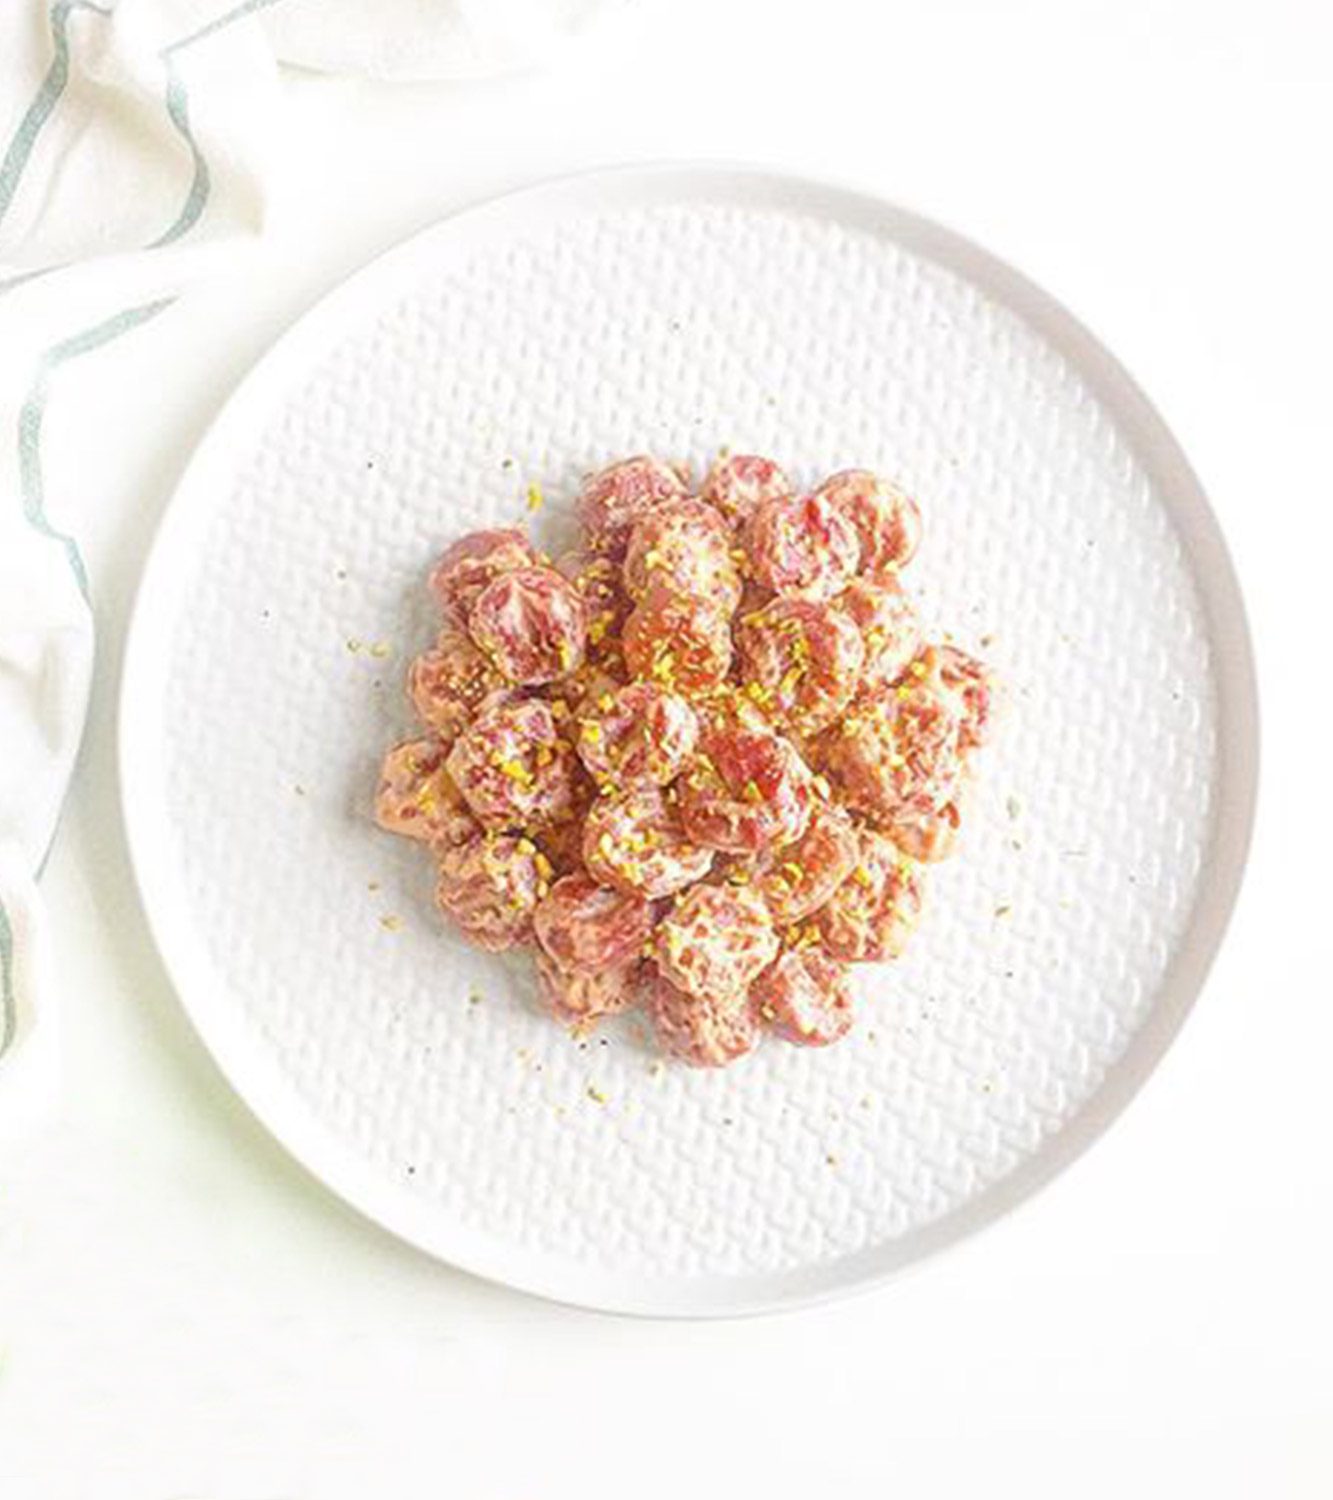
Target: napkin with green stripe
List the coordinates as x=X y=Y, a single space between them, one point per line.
x=136 y=138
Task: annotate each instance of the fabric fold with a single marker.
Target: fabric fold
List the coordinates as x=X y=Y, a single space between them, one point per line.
x=136 y=144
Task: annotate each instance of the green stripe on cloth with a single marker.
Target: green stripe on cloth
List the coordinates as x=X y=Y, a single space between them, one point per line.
x=34 y=409
x=17 y=281
x=178 y=108
x=9 y=1018
x=44 y=101
x=236 y=13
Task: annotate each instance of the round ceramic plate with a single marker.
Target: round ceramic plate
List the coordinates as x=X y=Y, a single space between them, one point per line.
x=677 y=310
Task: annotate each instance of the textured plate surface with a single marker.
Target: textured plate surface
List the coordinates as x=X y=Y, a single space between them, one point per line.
x=532 y=339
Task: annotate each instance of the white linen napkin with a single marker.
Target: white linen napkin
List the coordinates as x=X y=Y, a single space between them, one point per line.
x=135 y=142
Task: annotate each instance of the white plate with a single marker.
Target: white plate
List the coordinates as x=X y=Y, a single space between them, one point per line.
x=678 y=309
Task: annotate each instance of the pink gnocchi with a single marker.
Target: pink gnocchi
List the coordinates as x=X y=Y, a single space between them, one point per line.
x=748 y=790
x=532 y=624
x=716 y=940
x=418 y=798
x=801 y=660
x=874 y=911
x=802 y=546
x=805 y=997
x=490 y=887
x=514 y=767
x=472 y=564
x=886 y=519
x=684 y=547
x=711 y=1031
x=637 y=733
x=636 y=841
x=584 y=927
x=739 y=483
x=579 y=1000
x=700 y=766
x=614 y=499
x=450 y=682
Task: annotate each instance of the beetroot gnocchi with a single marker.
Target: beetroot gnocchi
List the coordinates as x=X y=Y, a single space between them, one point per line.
x=614 y=499
x=748 y=790
x=685 y=547
x=707 y=1032
x=739 y=483
x=491 y=886
x=678 y=641
x=890 y=635
x=804 y=546
x=805 y=997
x=887 y=521
x=716 y=940
x=514 y=767
x=635 y=841
x=584 y=927
x=417 y=797
x=580 y=1000
x=802 y=660
x=466 y=569
x=797 y=880
x=699 y=766
x=532 y=624
x=450 y=682
x=637 y=733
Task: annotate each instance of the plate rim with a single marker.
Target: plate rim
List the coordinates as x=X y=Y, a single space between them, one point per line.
x=291 y=353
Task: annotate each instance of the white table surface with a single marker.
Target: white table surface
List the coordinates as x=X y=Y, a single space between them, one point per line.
x=186 y=1314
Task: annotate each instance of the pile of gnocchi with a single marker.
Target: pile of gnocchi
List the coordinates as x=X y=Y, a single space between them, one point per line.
x=697 y=765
